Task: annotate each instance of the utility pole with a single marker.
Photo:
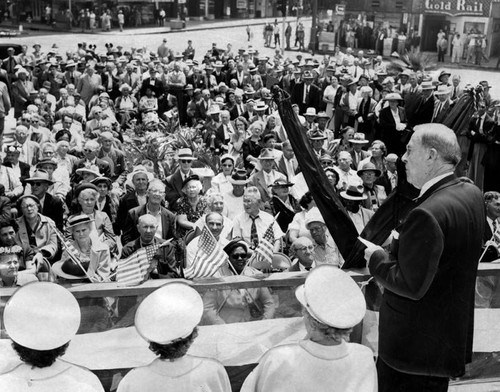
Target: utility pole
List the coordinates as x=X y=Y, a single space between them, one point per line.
x=284 y=12
x=312 y=40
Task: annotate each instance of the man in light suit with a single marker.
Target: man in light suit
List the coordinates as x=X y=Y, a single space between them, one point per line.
x=28 y=149
x=266 y=177
x=429 y=276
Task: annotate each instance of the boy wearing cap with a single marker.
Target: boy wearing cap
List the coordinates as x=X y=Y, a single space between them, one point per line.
x=324 y=360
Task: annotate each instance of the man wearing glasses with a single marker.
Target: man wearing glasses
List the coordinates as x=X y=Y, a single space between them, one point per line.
x=174 y=182
x=303 y=250
x=90 y=150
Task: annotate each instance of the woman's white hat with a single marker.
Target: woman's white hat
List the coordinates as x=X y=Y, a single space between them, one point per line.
x=332 y=297
x=169 y=313
x=42 y=316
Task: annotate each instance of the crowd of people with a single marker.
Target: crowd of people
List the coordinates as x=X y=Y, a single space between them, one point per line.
x=67 y=176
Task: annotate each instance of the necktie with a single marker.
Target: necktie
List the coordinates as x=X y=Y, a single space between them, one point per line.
x=495 y=226
x=254 y=237
x=454 y=93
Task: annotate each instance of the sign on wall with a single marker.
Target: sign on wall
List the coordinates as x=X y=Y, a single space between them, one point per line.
x=457 y=7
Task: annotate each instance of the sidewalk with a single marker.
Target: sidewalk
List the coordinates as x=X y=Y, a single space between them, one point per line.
x=191 y=25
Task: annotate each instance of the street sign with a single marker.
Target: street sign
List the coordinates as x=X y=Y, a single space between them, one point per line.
x=340 y=9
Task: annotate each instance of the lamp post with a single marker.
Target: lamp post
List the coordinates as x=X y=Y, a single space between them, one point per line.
x=312 y=40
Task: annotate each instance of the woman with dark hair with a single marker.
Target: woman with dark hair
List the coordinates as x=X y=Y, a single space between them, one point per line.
x=333 y=176
x=379 y=152
x=252 y=145
x=283 y=203
x=167 y=319
x=41 y=337
x=104 y=201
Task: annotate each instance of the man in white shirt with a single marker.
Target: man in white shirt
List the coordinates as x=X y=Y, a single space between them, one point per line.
x=352 y=199
x=253 y=223
x=234 y=198
x=266 y=177
x=346 y=173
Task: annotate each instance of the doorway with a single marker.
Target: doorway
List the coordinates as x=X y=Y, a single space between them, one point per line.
x=432 y=25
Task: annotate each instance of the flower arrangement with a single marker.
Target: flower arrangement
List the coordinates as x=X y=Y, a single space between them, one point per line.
x=9 y=250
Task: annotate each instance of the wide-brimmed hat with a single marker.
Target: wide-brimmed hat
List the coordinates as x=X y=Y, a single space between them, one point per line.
x=47 y=161
x=260 y=106
x=42 y=316
x=265 y=93
x=326 y=158
x=40 y=175
x=93 y=169
x=227 y=156
x=307 y=75
x=354 y=191
x=442 y=90
x=214 y=109
x=313 y=215
x=358 y=138
x=322 y=115
x=310 y=112
x=169 y=313
x=239 y=177
x=75 y=220
x=82 y=186
x=281 y=182
x=98 y=180
x=139 y=169
x=185 y=154
x=346 y=304
x=267 y=153
x=393 y=97
x=125 y=86
x=70 y=63
x=427 y=85
x=443 y=73
x=369 y=166
x=317 y=135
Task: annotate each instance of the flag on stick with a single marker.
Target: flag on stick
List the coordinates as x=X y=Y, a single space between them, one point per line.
x=132 y=271
x=209 y=258
x=265 y=249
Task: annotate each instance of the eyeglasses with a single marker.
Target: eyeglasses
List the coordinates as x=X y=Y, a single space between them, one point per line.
x=227 y=165
x=87 y=150
x=156 y=192
x=239 y=256
x=38 y=183
x=310 y=247
x=28 y=206
x=185 y=161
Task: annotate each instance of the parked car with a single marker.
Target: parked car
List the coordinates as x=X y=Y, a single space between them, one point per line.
x=5 y=45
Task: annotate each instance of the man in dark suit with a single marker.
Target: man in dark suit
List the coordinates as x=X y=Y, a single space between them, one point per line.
x=306 y=94
x=21 y=89
x=139 y=178
x=425 y=108
x=429 y=277
x=90 y=151
x=52 y=207
x=303 y=249
x=155 y=195
x=443 y=104
x=115 y=157
x=154 y=83
x=174 y=181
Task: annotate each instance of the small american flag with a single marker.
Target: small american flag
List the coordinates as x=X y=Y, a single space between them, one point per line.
x=132 y=271
x=71 y=251
x=209 y=258
x=265 y=249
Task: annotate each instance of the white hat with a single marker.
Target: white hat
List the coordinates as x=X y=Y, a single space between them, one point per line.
x=442 y=90
x=139 y=169
x=42 y=316
x=169 y=313
x=313 y=215
x=346 y=304
x=93 y=169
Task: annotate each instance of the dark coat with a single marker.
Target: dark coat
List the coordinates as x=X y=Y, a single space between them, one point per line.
x=314 y=98
x=285 y=213
x=53 y=208
x=491 y=162
x=174 y=187
x=427 y=311
x=130 y=232
x=127 y=202
x=390 y=136
x=485 y=137
x=425 y=111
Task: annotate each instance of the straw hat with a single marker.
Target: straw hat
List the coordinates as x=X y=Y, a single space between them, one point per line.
x=40 y=175
x=185 y=154
x=139 y=169
x=442 y=90
x=346 y=304
x=317 y=135
x=239 y=177
x=42 y=316
x=172 y=312
x=393 y=97
x=91 y=170
x=358 y=138
x=267 y=153
x=313 y=215
x=280 y=182
x=354 y=191
x=427 y=85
